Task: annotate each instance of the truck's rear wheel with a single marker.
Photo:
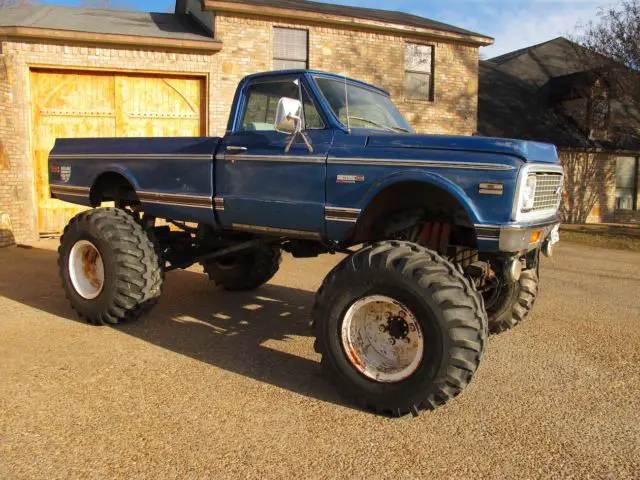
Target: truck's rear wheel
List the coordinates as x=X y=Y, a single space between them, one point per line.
x=109 y=267
x=399 y=327
x=246 y=270
x=513 y=302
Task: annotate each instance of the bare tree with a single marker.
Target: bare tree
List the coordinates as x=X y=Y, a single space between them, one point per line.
x=587 y=180
x=11 y=3
x=611 y=52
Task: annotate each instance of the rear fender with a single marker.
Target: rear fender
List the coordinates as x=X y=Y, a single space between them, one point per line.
x=119 y=170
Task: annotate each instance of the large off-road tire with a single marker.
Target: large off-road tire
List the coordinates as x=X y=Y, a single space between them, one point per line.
x=109 y=267
x=246 y=270
x=514 y=303
x=399 y=327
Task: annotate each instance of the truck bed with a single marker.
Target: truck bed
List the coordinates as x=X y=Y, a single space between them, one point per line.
x=173 y=177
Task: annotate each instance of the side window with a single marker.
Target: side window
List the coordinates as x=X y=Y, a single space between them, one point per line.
x=262 y=103
x=312 y=119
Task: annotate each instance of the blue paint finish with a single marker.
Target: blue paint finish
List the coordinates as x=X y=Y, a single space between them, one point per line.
x=175 y=166
x=281 y=194
x=461 y=183
x=263 y=186
x=525 y=150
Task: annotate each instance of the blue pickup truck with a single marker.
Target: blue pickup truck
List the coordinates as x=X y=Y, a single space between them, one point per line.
x=442 y=234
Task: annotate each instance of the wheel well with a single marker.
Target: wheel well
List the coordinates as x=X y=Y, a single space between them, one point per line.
x=113 y=187
x=437 y=203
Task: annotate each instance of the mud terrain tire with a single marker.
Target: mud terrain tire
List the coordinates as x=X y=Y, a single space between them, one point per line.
x=514 y=303
x=131 y=276
x=246 y=270
x=442 y=301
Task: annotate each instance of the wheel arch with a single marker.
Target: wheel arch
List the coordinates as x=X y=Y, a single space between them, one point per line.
x=410 y=191
x=111 y=185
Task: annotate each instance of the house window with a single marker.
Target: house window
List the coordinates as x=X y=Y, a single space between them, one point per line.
x=290 y=48
x=418 y=72
x=626 y=183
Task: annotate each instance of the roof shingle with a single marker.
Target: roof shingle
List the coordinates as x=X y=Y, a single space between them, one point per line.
x=118 y=22
x=388 y=16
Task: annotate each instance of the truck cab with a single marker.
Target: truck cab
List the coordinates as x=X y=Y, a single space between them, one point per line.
x=357 y=160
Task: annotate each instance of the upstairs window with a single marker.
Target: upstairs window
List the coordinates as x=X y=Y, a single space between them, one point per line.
x=290 y=49
x=626 y=181
x=418 y=72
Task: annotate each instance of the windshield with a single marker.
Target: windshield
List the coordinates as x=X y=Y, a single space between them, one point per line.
x=367 y=108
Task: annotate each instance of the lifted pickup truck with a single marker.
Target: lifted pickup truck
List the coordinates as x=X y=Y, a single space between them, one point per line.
x=442 y=234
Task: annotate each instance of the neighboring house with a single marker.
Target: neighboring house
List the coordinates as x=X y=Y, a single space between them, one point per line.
x=71 y=72
x=546 y=93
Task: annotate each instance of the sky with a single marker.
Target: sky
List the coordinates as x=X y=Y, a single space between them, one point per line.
x=513 y=23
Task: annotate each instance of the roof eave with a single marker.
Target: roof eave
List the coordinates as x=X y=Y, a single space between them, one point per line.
x=178 y=44
x=221 y=6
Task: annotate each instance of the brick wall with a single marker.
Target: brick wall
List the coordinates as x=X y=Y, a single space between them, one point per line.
x=373 y=57
x=590 y=189
x=18 y=214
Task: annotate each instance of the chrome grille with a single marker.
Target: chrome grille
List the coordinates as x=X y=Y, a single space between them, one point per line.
x=548 y=192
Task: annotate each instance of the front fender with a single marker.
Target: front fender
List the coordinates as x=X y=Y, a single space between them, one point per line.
x=429 y=179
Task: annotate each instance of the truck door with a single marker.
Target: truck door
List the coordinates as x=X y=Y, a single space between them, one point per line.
x=259 y=186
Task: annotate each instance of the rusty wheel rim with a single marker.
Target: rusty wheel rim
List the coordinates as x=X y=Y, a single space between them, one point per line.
x=382 y=339
x=86 y=269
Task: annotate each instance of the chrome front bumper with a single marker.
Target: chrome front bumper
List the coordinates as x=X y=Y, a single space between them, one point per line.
x=516 y=238
x=519 y=237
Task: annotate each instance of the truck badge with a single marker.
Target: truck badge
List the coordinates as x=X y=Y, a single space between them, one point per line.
x=349 y=178
x=65 y=173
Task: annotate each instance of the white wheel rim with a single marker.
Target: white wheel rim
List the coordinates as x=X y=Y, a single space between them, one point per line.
x=382 y=339
x=86 y=269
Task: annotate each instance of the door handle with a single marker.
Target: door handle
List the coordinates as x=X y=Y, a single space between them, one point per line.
x=232 y=148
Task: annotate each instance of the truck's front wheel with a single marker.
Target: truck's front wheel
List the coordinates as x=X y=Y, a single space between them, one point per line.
x=399 y=327
x=109 y=267
x=246 y=270
x=513 y=302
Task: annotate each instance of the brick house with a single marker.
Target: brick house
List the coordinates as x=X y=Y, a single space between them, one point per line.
x=546 y=93
x=71 y=72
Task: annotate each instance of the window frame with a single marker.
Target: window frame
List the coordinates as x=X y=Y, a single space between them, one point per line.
x=273 y=50
x=634 y=188
x=301 y=85
x=327 y=107
x=432 y=88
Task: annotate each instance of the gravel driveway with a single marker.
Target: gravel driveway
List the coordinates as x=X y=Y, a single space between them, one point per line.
x=221 y=385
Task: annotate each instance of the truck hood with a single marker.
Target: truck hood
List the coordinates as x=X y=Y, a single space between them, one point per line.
x=526 y=150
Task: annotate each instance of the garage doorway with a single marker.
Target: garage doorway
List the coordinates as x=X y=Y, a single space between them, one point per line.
x=95 y=104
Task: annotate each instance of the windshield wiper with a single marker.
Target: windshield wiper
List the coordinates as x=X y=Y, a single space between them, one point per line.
x=406 y=130
x=384 y=127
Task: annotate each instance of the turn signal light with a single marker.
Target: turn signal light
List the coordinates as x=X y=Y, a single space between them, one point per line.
x=535 y=236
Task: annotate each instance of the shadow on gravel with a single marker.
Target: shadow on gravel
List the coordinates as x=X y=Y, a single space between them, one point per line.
x=194 y=318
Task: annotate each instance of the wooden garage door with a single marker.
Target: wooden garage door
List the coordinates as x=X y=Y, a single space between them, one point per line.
x=78 y=104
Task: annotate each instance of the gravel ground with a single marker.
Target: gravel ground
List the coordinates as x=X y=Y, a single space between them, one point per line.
x=220 y=385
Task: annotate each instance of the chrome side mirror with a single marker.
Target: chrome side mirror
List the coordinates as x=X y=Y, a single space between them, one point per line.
x=288 y=116
x=289 y=121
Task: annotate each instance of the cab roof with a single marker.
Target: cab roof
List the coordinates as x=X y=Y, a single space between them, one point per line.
x=315 y=73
